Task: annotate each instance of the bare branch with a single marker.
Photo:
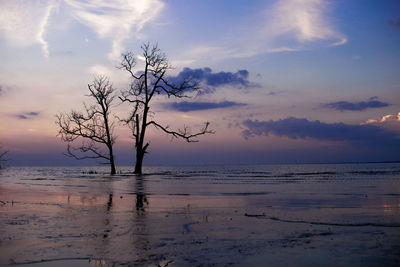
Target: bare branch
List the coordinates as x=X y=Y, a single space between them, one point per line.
x=128 y=63
x=185 y=132
x=189 y=84
x=85 y=148
x=3 y=155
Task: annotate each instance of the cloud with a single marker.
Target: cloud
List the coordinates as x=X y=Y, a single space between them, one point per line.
x=394 y=23
x=194 y=106
x=42 y=31
x=295 y=128
x=302 y=21
x=32 y=113
x=24 y=23
x=27 y=115
x=291 y=25
x=282 y=26
x=390 y=122
x=212 y=80
x=22 y=117
x=276 y=92
x=116 y=20
x=355 y=106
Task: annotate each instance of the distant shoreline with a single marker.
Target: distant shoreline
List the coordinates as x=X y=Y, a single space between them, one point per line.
x=221 y=164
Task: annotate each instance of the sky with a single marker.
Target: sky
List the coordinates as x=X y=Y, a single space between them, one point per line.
x=283 y=81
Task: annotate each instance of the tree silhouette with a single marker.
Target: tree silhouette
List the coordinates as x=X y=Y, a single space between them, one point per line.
x=144 y=85
x=3 y=154
x=93 y=127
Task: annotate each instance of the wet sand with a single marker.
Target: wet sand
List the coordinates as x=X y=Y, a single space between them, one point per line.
x=276 y=225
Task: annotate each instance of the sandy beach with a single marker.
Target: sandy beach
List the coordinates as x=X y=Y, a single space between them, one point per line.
x=183 y=219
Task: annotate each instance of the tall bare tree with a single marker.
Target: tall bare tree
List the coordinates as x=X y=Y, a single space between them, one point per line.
x=146 y=84
x=93 y=128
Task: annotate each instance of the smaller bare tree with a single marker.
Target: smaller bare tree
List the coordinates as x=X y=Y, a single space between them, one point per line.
x=93 y=127
x=3 y=156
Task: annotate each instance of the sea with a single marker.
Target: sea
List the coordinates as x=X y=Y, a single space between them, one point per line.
x=354 y=179
x=201 y=215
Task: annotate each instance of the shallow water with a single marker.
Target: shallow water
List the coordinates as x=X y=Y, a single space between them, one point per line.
x=277 y=215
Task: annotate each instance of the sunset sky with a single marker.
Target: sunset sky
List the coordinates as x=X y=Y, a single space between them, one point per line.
x=286 y=81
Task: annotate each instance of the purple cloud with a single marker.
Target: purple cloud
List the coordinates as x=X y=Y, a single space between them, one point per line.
x=356 y=106
x=193 y=106
x=276 y=92
x=211 y=81
x=27 y=115
x=22 y=117
x=296 y=128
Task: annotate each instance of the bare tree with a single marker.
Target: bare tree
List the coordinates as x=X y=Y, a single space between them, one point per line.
x=3 y=158
x=93 y=127
x=144 y=85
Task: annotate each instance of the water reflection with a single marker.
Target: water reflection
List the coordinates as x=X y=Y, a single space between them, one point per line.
x=109 y=202
x=141 y=199
x=140 y=233
x=109 y=220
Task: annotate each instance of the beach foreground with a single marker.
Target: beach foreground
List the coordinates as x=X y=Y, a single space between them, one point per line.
x=276 y=215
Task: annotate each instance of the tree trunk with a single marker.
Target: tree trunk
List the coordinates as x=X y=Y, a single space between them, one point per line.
x=113 y=171
x=139 y=161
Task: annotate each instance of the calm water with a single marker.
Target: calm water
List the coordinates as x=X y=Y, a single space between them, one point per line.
x=212 y=180
x=278 y=215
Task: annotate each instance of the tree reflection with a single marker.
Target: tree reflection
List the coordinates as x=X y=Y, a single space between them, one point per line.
x=140 y=233
x=109 y=202
x=141 y=199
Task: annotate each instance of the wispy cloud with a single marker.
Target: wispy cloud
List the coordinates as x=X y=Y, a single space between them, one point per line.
x=195 y=106
x=24 y=23
x=27 y=115
x=303 y=20
x=355 y=106
x=117 y=20
x=283 y=26
x=295 y=128
x=40 y=37
x=292 y=25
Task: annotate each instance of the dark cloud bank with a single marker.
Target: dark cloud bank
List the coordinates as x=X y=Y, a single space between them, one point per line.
x=355 y=106
x=193 y=106
x=296 y=128
x=210 y=80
